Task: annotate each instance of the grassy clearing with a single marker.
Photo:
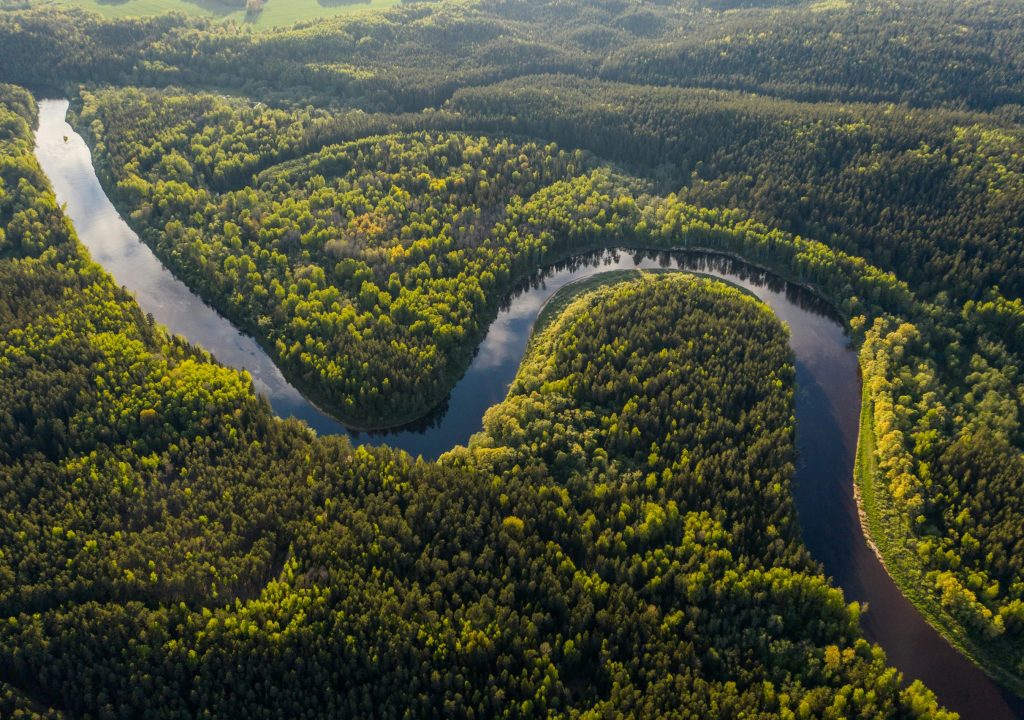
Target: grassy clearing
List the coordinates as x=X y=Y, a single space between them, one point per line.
x=276 y=13
x=885 y=530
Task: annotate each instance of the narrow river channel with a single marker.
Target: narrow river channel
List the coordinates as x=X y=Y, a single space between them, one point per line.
x=827 y=400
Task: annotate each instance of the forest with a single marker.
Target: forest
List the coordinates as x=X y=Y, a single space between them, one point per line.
x=437 y=226
x=361 y=195
x=922 y=53
x=150 y=571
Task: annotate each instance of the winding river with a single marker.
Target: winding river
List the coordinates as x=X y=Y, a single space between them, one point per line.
x=827 y=400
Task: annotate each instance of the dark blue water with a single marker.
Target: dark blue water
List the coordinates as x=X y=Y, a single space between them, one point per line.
x=827 y=400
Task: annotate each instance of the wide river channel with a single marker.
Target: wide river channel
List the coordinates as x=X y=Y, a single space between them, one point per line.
x=827 y=399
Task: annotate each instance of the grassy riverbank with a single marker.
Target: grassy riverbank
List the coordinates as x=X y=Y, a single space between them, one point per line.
x=885 y=533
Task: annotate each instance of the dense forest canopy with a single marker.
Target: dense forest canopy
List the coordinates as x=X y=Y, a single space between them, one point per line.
x=919 y=52
x=150 y=570
x=368 y=266
x=361 y=194
x=932 y=195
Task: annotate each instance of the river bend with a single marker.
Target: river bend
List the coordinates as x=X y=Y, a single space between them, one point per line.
x=827 y=399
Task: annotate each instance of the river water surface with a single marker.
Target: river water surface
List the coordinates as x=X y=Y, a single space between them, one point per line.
x=827 y=399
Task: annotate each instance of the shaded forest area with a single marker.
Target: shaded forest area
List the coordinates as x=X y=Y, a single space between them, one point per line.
x=416 y=55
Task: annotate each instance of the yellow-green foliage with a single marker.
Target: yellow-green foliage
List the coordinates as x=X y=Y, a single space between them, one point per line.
x=400 y=246
x=167 y=548
x=897 y=193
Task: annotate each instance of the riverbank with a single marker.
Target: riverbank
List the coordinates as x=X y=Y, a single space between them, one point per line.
x=883 y=526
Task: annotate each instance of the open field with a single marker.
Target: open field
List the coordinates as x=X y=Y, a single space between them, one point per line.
x=276 y=13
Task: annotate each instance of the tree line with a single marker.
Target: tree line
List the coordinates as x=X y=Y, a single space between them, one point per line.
x=415 y=56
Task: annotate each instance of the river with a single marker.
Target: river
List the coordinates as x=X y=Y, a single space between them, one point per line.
x=827 y=399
